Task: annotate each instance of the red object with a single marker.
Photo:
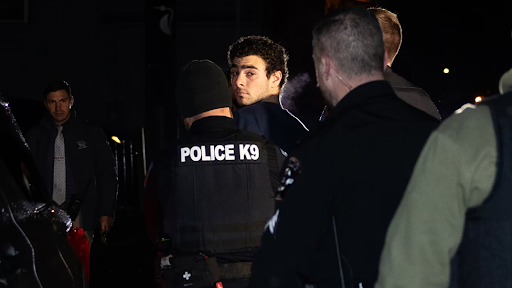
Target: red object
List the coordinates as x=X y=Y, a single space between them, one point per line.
x=219 y=285
x=79 y=242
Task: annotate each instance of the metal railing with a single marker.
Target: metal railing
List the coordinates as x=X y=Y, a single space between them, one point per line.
x=129 y=157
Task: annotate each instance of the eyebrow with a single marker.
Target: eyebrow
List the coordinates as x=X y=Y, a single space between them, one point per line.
x=244 y=66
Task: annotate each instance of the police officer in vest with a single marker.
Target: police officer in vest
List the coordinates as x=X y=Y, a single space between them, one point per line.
x=214 y=188
x=452 y=228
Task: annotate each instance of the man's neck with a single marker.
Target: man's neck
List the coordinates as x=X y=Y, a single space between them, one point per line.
x=224 y=111
x=355 y=83
x=60 y=123
x=272 y=99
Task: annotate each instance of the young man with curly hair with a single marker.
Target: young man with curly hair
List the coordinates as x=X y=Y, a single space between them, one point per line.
x=258 y=75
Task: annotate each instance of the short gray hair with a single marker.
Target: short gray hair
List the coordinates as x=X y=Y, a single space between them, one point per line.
x=352 y=37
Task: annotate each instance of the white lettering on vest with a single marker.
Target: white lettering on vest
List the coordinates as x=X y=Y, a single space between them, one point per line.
x=204 y=157
x=218 y=155
x=244 y=152
x=195 y=153
x=185 y=151
x=255 y=152
x=249 y=151
x=230 y=152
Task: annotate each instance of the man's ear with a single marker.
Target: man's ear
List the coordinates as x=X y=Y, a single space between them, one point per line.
x=71 y=101
x=275 y=79
x=325 y=68
x=387 y=61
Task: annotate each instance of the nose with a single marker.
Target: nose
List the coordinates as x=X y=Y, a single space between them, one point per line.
x=59 y=106
x=238 y=80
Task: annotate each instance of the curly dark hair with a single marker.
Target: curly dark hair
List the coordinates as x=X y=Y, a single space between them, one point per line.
x=273 y=54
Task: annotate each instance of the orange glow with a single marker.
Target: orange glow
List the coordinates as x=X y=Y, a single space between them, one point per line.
x=116 y=139
x=331 y=5
x=478 y=99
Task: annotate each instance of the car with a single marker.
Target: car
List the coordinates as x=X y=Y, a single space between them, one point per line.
x=34 y=246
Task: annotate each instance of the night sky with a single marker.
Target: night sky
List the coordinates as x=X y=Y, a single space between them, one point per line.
x=123 y=67
x=473 y=40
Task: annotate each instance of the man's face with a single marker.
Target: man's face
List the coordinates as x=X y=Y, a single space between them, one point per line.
x=59 y=104
x=249 y=80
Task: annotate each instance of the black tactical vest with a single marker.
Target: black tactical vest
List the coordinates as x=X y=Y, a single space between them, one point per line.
x=484 y=258
x=222 y=194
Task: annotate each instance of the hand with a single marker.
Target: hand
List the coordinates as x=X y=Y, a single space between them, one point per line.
x=106 y=223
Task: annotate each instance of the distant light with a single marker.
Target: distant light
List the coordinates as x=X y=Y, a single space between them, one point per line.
x=478 y=99
x=116 y=139
x=446 y=71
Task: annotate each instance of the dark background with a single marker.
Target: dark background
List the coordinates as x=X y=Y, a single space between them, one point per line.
x=122 y=65
x=121 y=58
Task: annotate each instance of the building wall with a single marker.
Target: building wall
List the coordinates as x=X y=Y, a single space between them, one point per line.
x=96 y=45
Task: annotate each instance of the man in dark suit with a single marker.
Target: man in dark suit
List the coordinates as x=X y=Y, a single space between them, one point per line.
x=75 y=161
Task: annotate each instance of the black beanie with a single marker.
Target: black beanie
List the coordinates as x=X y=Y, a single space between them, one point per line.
x=201 y=87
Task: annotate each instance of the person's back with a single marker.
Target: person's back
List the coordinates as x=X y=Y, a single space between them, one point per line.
x=223 y=180
x=215 y=185
x=455 y=213
x=360 y=158
x=345 y=180
x=448 y=209
x=484 y=252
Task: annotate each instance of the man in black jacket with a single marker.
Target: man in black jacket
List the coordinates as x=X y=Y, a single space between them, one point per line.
x=213 y=188
x=342 y=185
x=75 y=161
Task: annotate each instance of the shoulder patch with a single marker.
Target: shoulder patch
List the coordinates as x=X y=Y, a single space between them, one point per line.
x=81 y=144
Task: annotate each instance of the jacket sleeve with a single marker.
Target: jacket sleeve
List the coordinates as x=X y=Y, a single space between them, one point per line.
x=106 y=175
x=275 y=163
x=293 y=234
x=454 y=172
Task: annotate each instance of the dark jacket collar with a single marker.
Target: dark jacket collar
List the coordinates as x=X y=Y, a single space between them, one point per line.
x=396 y=80
x=214 y=126
x=361 y=94
x=50 y=124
